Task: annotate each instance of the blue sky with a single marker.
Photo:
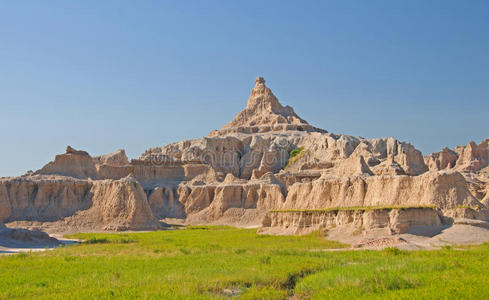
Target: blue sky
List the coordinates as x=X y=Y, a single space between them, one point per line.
x=104 y=75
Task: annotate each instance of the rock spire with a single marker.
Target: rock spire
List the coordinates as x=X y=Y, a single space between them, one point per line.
x=264 y=113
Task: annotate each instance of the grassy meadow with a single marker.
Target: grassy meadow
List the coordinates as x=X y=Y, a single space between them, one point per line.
x=225 y=262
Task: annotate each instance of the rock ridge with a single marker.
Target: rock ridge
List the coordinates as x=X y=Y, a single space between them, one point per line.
x=266 y=158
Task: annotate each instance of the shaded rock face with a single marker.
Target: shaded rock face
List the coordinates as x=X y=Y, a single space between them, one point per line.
x=266 y=158
x=23 y=238
x=164 y=203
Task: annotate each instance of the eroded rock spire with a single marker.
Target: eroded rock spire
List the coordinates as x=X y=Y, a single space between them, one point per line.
x=264 y=113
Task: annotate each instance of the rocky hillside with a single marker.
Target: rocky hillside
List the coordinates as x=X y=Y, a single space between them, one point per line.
x=267 y=158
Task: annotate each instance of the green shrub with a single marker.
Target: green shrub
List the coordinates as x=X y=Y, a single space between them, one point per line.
x=294 y=156
x=295 y=152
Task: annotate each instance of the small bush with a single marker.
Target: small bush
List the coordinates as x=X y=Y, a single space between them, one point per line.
x=294 y=156
x=295 y=152
x=97 y=241
x=121 y=240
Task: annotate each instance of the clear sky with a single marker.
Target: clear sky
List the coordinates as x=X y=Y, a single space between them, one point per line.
x=104 y=75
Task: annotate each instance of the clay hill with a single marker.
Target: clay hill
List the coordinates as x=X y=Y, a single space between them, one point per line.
x=267 y=167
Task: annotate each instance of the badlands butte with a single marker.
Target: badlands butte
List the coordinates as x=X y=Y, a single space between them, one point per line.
x=270 y=169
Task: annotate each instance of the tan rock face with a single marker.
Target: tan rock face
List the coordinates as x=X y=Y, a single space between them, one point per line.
x=42 y=198
x=263 y=109
x=117 y=158
x=264 y=114
x=210 y=203
x=336 y=153
x=393 y=221
x=236 y=155
x=91 y=205
x=445 y=159
x=445 y=190
x=73 y=163
x=266 y=158
x=485 y=200
x=118 y=205
x=470 y=158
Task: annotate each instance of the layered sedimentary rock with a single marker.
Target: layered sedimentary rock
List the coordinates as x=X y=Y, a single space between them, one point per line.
x=233 y=201
x=264 y=114
x=42 y=198
x=471 y=158
x=266 y=158
x=117 y=158
x=445 y=159
x=164 y=202
x=73 y=163
x=485 y=199
x=232 y=154
x=442 y=189
x=116 y=205
x=92 y=205
x=393 y=220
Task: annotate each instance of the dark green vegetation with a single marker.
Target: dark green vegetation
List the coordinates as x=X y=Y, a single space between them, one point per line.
x=353 y=208
x=215 y=262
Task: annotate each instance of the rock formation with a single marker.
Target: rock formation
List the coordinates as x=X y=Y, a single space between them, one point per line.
x=470 y=158
x=446 y=190
x=82 y=204
x=23 y=238
x=391 y=220
x=265 y=114
x=267 y=158
x=472 y=161
x=73 y=163
x=117 y=158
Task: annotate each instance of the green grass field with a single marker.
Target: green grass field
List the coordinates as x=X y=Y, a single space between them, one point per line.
x=203 y=262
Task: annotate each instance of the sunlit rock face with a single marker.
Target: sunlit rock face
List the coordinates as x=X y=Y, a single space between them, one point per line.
x=266 y=158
